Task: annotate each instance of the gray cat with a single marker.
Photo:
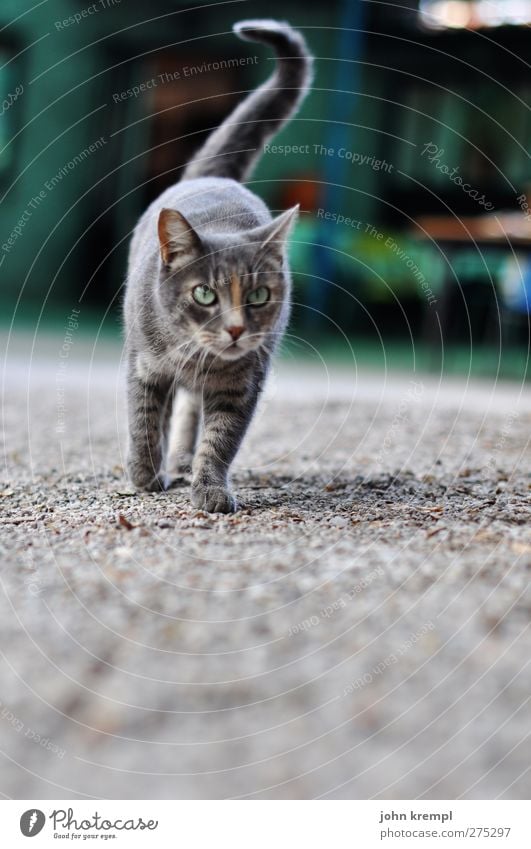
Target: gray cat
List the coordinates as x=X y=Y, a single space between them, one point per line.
x=208 y=293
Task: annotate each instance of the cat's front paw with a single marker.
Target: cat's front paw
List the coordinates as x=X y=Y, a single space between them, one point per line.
x=143 y=478
x=214 y=499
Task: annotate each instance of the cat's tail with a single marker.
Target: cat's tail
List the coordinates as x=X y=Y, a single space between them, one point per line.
x=233 y=149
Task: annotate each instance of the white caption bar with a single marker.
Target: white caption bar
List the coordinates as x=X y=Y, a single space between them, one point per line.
x=266 y=824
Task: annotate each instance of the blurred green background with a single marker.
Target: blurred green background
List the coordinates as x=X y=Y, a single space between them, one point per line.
x=102 y=104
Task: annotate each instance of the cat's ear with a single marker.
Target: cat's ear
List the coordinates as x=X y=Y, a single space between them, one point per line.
x=179 y=243
x=274 y=236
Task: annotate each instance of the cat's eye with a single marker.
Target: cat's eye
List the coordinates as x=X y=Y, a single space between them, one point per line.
x=258 y=297
x=204 y=295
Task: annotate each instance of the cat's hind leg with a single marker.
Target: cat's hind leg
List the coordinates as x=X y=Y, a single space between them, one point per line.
x=183 y=433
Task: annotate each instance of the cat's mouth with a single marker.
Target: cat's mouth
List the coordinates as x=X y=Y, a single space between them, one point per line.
x=224 y=350
x=233 y=351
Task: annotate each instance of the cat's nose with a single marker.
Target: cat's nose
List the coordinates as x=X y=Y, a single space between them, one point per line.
x=235 y=331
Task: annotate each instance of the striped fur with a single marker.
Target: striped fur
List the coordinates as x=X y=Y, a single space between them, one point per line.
x=205 y=364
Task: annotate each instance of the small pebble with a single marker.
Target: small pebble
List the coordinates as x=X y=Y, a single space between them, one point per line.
x=339 y=521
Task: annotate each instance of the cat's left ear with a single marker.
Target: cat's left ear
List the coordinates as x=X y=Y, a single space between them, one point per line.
x=274 y=236
x=179 y=242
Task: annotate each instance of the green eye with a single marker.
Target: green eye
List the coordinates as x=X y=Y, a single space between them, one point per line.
x=204 y=295
x=258 y=297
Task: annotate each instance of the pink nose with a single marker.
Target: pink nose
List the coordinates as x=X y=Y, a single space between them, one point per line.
x=235 y=332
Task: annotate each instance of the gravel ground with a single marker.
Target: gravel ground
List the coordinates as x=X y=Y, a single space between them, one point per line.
x=357 y=630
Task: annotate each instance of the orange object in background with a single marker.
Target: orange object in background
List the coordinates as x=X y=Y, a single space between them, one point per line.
x=304 y=190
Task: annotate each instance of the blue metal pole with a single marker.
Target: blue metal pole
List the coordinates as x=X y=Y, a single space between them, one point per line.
x=343 y=107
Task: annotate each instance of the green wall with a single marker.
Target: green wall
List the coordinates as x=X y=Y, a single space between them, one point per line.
x=69 y=73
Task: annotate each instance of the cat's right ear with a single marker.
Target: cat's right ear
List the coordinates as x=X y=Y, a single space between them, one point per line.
x=179 y=243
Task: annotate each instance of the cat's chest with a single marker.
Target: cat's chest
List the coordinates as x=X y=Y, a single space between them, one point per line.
x=173 y=365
